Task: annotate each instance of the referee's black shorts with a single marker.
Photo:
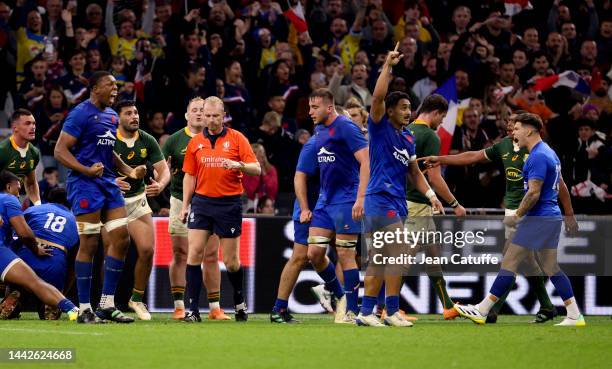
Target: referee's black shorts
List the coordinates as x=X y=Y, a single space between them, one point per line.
x=219 y=215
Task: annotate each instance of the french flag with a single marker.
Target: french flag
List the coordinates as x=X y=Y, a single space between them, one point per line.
x=295 y=14
x=568 y=78
x=447 y=128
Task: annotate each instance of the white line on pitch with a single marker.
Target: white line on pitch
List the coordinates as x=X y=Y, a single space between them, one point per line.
x=51 y=331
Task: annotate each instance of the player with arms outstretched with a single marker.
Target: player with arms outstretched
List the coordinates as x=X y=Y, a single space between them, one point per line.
x=539 y=225
x=85 y=146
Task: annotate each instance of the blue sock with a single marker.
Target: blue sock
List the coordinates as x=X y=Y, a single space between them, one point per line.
x=328 y=275
x=351 y=289
x=392 y=305
x=380 y=301
x=280 y=305
x=503 y=282
x=112 y=273
x=563 y=285
x=82 y=270
x=194 y=286
x=66 y=305
x=367 y=305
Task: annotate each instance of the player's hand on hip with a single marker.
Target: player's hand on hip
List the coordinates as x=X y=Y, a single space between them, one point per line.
x=436 y=205
x=305 y=216
x=154 y=189
x=123 y=185
x=96 y=170
x=430 y=161
x=571 y=225
x=138 y=172
x=460 y=211
x=358 y=209
x=43 y=250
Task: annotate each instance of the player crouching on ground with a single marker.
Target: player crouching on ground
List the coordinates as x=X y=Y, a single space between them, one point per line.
x=12 y=268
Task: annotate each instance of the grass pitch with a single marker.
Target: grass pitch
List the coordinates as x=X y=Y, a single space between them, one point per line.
x=316 y=343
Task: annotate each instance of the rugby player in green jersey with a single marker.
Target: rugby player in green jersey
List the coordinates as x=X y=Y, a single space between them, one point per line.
x=174 y=151
x=19 y=156
x=513 y=158
x=136 y=148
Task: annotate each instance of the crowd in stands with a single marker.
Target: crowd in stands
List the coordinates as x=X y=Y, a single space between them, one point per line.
x=258 y=57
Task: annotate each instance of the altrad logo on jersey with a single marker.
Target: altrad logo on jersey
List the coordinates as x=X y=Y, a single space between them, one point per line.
x=325 y=156
x=401 y=155
x=107 y=139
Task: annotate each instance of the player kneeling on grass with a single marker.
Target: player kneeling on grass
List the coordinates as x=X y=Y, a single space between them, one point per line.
x=215 y=161
x=392 y=159
x=539 y=225
x=14 y=270
x=137 y=148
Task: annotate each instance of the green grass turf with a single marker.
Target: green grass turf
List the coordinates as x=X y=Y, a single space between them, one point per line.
x=316 y=343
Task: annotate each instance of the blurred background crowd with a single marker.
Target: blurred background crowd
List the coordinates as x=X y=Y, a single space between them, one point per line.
x=263 y=58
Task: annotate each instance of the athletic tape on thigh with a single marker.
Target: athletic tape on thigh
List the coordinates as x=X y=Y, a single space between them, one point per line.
x=346 y=244
x=89 y=228
x=115 y=223
x=319 y=241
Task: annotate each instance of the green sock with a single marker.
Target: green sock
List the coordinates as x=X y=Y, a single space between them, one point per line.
x=439 y=285
x=538 y=285
x=137 y=295
x=501 y=300
x=178 y=293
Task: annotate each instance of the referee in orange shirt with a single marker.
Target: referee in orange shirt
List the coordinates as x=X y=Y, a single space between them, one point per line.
x=214 y=163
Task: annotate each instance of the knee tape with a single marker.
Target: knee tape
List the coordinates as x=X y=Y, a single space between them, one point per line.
x=319 y=241
x=346 y=244
x=89 y=228
x=115 y=223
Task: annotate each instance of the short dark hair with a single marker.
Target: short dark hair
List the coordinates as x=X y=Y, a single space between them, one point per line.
x=57 y=195
x=7 y=177
x=97 y=76
x=49 y=170
x=394 y=98
x=76 y=51
x=124 y=104
x=323 y=93
x=19 y=113
x=530 y=119
x=434 y=102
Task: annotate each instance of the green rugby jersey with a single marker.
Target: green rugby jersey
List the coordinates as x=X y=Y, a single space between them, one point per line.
x=175 y=147
x=16 y=160
x=513 y=159
x=140 y=150
x=427 y=144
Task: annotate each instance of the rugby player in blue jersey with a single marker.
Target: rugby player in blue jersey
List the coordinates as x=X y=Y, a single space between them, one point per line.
x=85 y=146
x=14 y=270
x=392 y=161
x=55 y=228
x=306 y=183
x=344 y=165
x=538 y=220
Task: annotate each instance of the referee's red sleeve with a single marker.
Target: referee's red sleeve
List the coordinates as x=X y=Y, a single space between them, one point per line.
x=246 y=151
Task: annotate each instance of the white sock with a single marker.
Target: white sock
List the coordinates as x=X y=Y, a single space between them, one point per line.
x=213 y=305
x=572 y=309
x=84 y=306
x=179 y=304
x=241 y=306
x=485 y=305
x=107 y=301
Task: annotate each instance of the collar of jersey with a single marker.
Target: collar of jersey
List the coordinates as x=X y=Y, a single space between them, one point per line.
x=121 y=138
x=12 y=139
x=188 y=132
x=420 y=121
x=207 y=134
